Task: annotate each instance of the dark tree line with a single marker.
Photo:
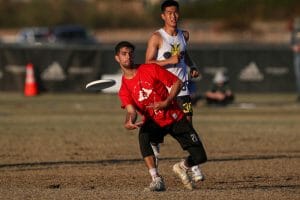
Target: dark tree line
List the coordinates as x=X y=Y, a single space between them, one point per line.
x=114 y=13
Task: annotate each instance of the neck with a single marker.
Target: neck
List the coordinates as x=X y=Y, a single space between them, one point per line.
x=171 y=30
x=129 y=72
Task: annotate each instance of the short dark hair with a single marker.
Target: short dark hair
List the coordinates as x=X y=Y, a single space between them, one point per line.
x=168 y=3
x=123 y=44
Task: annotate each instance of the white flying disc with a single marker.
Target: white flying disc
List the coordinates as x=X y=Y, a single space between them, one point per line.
x=100 y=84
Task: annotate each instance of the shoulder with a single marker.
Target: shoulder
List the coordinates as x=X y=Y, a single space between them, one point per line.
x=155 y=37
x=149 y=66
x=186 y=34
x=123 y=90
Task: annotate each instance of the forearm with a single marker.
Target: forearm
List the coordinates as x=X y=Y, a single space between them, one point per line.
x=194 y=71
x=174 y=91
x=131 y=117
x=162 y=63
x=188 y=60
x=176 y=87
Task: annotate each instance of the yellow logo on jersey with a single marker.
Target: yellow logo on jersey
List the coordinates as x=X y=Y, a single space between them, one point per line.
x=175 y=49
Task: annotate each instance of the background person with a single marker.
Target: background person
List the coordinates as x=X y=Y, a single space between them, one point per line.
x=220 y=93
x=151 y=90
x=168 y=47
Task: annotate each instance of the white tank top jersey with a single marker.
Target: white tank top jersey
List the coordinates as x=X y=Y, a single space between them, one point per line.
x=174 y=45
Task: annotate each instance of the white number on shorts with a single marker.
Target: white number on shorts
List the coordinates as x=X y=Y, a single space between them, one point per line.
x=194 y=137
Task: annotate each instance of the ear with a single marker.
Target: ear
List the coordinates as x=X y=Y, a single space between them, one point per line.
x=162 y=16
x=117 y=58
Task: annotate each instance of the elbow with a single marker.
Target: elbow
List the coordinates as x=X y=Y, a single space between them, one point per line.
x=180 y=83
x=148 y=59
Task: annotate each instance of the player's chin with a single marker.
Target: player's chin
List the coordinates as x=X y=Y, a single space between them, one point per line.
x=173 y=23
x=126 y=65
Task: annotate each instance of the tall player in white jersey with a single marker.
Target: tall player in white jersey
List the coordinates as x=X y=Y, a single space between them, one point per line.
x=167 y=47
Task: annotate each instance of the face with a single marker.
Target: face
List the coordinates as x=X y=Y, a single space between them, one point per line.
x=125 y=57
x=170 y=16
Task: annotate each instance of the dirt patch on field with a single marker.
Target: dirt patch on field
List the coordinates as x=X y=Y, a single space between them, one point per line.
x=52 y=148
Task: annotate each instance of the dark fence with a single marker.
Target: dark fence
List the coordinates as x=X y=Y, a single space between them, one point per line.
x=250 y=68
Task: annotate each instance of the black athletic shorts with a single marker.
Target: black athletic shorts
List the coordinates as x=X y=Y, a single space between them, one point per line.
x=182 y=131
x=185 y=103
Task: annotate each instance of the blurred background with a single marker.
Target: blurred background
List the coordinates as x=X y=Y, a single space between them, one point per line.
x=251 y=19
x=70 y=42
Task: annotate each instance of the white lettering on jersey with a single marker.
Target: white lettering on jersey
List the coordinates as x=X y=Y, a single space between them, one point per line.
x=169 y=88
x=174 y=115
x=144 y=94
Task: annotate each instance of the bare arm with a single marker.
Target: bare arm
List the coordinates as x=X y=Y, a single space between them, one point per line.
x=188 y=61
x=131 y=117
x=152 y=49
x=176 y=87
x=194 y=71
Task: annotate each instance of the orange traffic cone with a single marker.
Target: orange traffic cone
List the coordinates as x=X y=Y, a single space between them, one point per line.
x=30 y=88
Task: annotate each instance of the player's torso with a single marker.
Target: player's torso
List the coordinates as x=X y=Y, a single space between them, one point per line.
x=145 y=89
x=174 y=45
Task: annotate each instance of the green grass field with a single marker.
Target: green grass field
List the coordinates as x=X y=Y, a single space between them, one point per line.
x=74 y=146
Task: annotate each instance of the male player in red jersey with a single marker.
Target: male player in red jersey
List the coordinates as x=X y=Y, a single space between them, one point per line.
x=151 y=90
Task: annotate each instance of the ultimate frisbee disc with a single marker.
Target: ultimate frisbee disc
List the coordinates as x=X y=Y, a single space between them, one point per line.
x=100 y=84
